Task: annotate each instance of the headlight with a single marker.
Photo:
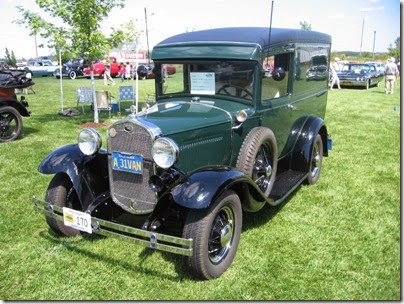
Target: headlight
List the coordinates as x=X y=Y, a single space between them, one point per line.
x=165 y=152
x=89 y=141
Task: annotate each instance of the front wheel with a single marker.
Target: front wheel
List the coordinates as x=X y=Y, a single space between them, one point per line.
x=216 y=233
x=10 y=124
x=72 y=75
x=61 y=193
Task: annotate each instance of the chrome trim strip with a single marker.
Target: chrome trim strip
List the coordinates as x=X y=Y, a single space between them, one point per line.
x=153 y=130
x=146 y=238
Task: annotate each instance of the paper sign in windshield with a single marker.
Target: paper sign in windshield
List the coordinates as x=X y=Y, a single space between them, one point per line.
x=202 y=83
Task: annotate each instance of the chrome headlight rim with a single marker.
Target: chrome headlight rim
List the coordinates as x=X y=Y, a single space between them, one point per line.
x=174 y=152
x=89 y=141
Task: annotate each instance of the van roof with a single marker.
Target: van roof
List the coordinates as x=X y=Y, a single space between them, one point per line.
x=248 y=35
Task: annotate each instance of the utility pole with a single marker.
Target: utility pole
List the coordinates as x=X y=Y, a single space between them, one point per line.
x=360 y=49
x=374 y=40
x=36 y=48
x=147 y=37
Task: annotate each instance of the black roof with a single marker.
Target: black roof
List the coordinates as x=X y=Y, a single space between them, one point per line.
x=249 y=35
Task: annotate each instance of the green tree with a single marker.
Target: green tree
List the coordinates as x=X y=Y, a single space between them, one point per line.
x=10 y=58
x=304 y=25
x=394 y=51
x=81 y=33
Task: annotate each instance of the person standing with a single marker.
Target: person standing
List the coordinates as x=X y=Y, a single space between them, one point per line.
x=107 y=75
x=334 y=77
x=122 y=72
x=128 y=71
x=390 y=75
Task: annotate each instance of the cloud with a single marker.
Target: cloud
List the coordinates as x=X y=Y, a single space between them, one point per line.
x=372 y=9
x=373 y=1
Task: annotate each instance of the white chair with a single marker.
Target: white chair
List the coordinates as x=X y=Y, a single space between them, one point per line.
x=103 y=101
x=84 y=95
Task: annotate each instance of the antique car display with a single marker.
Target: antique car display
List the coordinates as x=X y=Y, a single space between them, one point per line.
x=11 y=109
x=41 y=68
x=360 y=74
x=225 y=136
x=71 y=69
x=99 y=68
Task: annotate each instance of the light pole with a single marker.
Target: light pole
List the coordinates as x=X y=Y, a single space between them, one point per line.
x=374 y=40
x=363 y=25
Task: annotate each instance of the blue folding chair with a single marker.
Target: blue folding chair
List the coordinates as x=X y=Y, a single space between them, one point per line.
x=125 y=93
x=84 y=95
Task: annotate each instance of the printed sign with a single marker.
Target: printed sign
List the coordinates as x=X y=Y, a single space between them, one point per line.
x=203 y=83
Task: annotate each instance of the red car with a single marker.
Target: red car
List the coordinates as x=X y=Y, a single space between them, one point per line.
x=99 y=68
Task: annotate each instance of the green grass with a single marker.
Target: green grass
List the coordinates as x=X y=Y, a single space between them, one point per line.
x=337 y=240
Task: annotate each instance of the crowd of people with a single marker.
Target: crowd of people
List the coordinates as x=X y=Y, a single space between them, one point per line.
x=125 y=73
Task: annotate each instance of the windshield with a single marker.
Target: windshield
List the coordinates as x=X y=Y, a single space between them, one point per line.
x=357 y=68
x=224 y=78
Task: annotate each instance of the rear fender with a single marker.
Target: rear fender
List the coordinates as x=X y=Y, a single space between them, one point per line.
x=202 y=187
x=89 y=174
x=302 y=150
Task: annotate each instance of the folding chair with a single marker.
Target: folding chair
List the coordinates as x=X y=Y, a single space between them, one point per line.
x=125 y=93
x=103 y=101
x=84 y=95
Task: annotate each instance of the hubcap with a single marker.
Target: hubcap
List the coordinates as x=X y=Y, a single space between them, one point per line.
x=262 y=171
x=315 y=163
x=221 y=235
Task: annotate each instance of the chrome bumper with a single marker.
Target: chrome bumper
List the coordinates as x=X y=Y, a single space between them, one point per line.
x=146 y=238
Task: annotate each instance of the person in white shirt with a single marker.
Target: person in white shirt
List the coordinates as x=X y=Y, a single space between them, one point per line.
x=390 y=75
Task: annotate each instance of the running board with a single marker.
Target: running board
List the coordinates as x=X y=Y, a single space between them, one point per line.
x=285 y=184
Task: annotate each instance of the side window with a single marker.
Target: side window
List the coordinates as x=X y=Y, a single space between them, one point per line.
x=275 y=81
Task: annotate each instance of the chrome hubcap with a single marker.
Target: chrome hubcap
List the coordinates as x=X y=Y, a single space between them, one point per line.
x=262 y=171
x=315 y=163
x=221 y=235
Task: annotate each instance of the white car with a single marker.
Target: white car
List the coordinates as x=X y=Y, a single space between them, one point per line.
x=42 y=68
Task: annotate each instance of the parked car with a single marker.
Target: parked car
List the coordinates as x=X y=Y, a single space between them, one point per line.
x=360 y=74
x=224 y=136
x=99 y=68
x=41 y=68
x=72 y=69
x=3 y=65
x=11 y=109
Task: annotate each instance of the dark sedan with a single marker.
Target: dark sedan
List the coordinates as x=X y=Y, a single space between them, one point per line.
x=360 y=74
x=71 y=69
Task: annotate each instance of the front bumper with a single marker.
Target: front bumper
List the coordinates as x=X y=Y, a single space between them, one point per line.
x=353 y=82
x=106 y=228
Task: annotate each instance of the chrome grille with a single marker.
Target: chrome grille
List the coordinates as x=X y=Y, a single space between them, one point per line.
x=128 y=190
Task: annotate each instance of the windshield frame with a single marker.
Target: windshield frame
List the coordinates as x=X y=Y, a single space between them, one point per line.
x=159 y=80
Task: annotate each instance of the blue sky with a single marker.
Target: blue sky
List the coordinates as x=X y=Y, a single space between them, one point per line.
x=341 y=19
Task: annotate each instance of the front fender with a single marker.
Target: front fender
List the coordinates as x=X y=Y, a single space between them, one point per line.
x=204 y=186
x=88 y=173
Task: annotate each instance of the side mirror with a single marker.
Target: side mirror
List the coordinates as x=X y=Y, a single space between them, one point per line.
x=278 y=74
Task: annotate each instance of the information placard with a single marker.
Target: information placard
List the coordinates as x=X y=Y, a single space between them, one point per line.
x=203 y=83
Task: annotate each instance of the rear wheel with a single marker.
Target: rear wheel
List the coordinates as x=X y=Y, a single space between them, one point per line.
x=216 y=233
x=61 y=193
x=316 y=161
x=10 y=124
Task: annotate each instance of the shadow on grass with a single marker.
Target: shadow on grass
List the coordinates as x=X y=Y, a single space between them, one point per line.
x=26 y=131
x=71 y=244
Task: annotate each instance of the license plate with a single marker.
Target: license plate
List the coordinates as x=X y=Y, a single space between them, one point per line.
x=346 y=83
x=127 y=162
x=77 y=220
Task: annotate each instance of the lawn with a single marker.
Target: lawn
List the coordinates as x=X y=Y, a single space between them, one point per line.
x=336 y=240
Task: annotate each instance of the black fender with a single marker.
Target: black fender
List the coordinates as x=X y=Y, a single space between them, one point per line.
x=15 y=104
x=89 y=174
x=203 y=186
x=301 y=153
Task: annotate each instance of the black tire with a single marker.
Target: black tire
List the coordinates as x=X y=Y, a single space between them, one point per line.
x=10 y=124
x=258 y=158
x=316 y=161
x=72 y=75
x=216 y=233
x=61 y=193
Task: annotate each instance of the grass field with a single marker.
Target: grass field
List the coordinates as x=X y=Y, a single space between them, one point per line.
x=336 y=240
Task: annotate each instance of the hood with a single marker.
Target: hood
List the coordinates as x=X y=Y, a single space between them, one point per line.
x=181 y=116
